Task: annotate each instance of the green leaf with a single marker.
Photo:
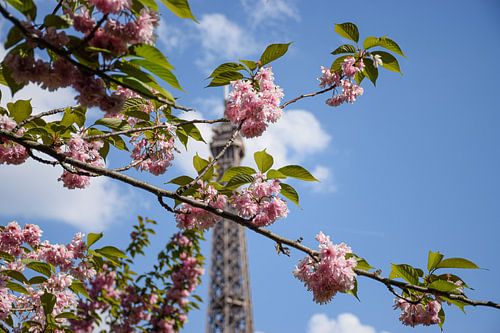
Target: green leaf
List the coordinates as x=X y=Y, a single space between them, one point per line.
x=238 y=180
x=56 y=21
x=6 y=256
x=275 y=174
x=48 y=301
x=40 y=267
x=20 y=110
x=199 y=163
x=384 y=42
x=15 y=275
x=348 y=30
x=180 y=8
x=370 y=71
x=111 y=251
x=250 y=64
x=298 y=172
x=233 y=171
x=16 y=287
x=337 y=63
x=37 y=280
x=442 y=285
x=442 y=318
x=457 y=263
x=162 y=72
x=263 y=160
x=459 y=304
x=192 y=131
x=118 y=142
x=290 y=193
x=113 y=123
x=273 y=52
x=181 y=180
x=66 y=315
x=92 y=238
x=225 y=78
x=363 y=264
x=27 y=7
x=346 y=48
x=149 y=3
x=152 y=54
x=359 y=77
x=73 y=116
x=13 y=37
x=406 y=272
x=389 y=61
x=227 y=67
x=79 y=288
x=433 y=259
x=10 y=82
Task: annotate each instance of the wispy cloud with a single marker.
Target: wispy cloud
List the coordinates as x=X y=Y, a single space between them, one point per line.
x=265 y=12
x=222 y=39
x=344 y=323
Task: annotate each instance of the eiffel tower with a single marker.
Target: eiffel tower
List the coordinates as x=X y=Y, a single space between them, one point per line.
x=230 y=307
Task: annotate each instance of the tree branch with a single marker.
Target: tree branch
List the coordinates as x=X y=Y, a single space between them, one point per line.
x=284 y=105
x=64 y=54
x=161 y=193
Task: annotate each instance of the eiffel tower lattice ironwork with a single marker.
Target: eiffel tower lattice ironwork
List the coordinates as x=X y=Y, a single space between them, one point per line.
x=230 y=307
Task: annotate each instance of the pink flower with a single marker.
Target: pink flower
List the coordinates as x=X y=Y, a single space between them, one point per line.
x=349 y=68
x=333 y=273
x=111 y=6
x=11 y=152
x=254 y=108
x=328 y=78
x=32 y=234
x=418 y=314
x=153 y=155
x=190 y=217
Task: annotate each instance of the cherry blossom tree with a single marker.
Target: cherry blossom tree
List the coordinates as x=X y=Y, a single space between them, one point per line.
x=105 y=51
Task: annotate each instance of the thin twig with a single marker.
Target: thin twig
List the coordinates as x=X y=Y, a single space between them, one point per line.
x=39 y=115
x=212 y=163
x=284 y=105
x=159 y=192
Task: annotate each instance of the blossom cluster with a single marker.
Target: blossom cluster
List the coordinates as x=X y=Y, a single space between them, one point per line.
x=333 y=273
x=254 y=104
x=68 y=262
x=190 y=217
x=81 y=150
x=153 y=155
x=419 y=313
x=11 y=152
x=350 y=90
x=115 y=36
x=185 y=278
x=260 y=202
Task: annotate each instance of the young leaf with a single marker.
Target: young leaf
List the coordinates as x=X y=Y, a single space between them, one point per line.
x=290 y=193
x=273 y=52
x=37 y=280
x=20 y=110
x=224 y=78
x=238 y=180
x=40 y=267
x=434 y=258
x=388 y=61
x=111 y=251
x=162 y=72
x=406 y=272
x=346 y=48
x=348 y=30
x=48 y=301
x=226 y=67
x=384 y=42
x=442 y=285
x=15 y=275
x=250 y=64
x=16 y=287
x=370 y=71
x=152 y=54
x=263 y=160
x=181 y=180
x=79 y=288
x=231 y=172
x=275 y=174
x=180 y=8
x=199 y=163
x=337 y=63
x=298 y=172
x=92 y=238
x=457 y=263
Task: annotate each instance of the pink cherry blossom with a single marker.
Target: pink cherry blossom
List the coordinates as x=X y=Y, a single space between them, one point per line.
x=328 y=78
x=11 y=152
x=418 y=314
x=333 y=273
x=111 y=6
x=153 y=155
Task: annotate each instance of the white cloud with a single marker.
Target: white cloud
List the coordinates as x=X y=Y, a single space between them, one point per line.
x=326 y=179
x=222 y=39
x=344 y=323
x=31 y=191
x=297 y=135
x=172 y=37
x=269 y=11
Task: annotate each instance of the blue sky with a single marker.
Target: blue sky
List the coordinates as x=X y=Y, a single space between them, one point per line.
x=412 y=166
